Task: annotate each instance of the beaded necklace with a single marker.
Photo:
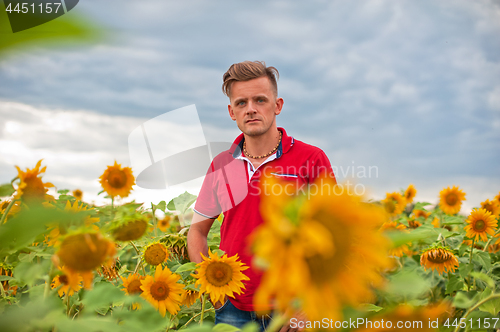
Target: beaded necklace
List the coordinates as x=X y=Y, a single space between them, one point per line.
x=263 y=156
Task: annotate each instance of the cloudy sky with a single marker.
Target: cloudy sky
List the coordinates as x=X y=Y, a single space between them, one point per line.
x=409 y=87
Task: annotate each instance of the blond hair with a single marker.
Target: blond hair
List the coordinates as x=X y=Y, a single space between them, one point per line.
x=248 y=70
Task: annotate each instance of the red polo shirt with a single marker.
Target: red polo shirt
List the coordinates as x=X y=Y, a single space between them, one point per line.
x=232 y=189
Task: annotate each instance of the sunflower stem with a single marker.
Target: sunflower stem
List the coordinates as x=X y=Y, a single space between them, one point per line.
x=203 y=302
x=192 y=318
x=470 y=262
x=154 y=219
x=138 y=260
x=477 y=305
x=48 y=281
x=4 y=216
x=172 y=317
x=2 y=290
x=66 y=299
x=489 y=241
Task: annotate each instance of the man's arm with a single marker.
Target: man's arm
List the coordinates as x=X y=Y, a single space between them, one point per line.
x=197 y=237
x=197 y=243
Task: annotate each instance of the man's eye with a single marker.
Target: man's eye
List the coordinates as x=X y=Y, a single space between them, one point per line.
x=241 y=103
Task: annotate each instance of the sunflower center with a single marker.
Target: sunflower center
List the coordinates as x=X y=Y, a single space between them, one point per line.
x=479 y=225
x=159 y=290
x=63 y=279
x=134 y=287
x=439 y=256
x=117 y=178
x=155 y=254
x=451 y=199
x=390 y=206
x=488 y=207
x=219 y=273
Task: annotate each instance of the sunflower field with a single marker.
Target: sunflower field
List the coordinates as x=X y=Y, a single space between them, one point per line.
x=342 y=261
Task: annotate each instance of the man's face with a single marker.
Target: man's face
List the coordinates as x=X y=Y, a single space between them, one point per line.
x=254 y=106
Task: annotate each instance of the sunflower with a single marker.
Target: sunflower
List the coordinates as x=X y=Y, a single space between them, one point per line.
x=412 y=223
x=74 y=208
x=155 y=254
x=31 y=189
x=480 y=222
x=117 y=181
x=132 y=286
x=78 y=194
x=131 y=230
x=413 y=318
x=177 y=245
x=451 y=200
x=110 y=272
x=163 y=291
x=421 y=214
x=189 y=297
x=394 y=203
x=15 y=208
x=476 y=245
x=6 y=270
x=69 y=282
x=81 y=253
x=317 y=241
x=164 y=223
x=220 y=276
x=440 y=259
x=410 y=193
x=491 y=206
x=497 y=198
x=435 y=222
x=402 y=249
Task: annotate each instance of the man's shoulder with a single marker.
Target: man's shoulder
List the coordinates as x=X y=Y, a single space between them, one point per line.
x=305 y=148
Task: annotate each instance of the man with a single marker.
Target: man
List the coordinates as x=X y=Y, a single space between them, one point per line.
x=232 y=185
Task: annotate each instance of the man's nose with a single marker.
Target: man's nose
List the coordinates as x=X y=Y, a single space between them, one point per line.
x=251 y=107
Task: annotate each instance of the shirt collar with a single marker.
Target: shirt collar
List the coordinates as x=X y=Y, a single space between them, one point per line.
x=285 y=144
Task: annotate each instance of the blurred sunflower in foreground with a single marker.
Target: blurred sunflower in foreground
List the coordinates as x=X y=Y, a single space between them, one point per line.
x=451 y=200
x=408 y=318
x=75 y=208
x=220 y=276
x=32 y=190
x=81 y=253
x=317 y=241
x=117 y=180
x=163 y=291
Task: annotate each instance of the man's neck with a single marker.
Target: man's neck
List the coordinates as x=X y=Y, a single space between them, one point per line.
x=263 y=144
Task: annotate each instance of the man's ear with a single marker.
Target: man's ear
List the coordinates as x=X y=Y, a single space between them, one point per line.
x=231 y=112
x=279 y=105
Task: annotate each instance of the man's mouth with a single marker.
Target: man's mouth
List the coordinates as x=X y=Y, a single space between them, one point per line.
x=252 y=120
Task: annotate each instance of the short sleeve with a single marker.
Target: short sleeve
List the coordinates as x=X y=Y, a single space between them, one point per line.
x=207 y=204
